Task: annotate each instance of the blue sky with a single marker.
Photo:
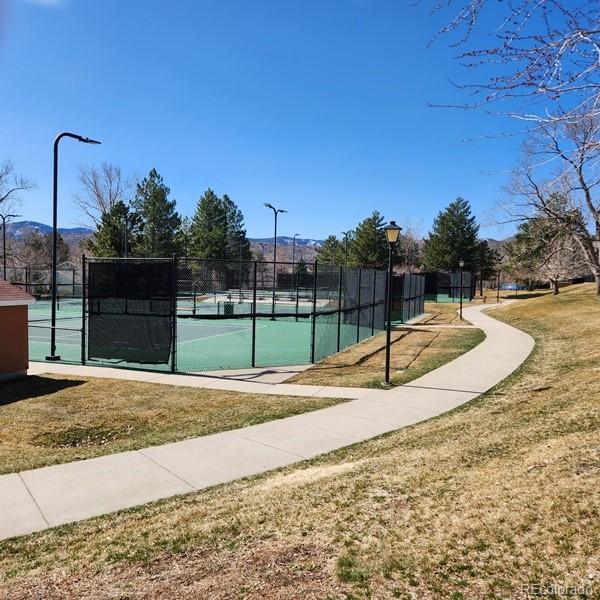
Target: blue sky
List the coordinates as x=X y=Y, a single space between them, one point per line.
x=317 y=106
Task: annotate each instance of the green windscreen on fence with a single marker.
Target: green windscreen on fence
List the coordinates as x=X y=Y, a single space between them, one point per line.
x=130 y=307
x=193 y=315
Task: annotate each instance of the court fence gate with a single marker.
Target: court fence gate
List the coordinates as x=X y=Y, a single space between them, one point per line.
x=192 y=315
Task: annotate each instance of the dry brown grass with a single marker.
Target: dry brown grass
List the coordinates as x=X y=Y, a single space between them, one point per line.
x=413 y=353
x=54 y=419
x=443 y=313
x=473 y=504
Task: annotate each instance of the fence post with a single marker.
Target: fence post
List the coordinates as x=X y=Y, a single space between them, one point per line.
x=339 y=323
x=314 y=315
x=174 y=316
x=401 y=297
x=297 y=284
x=358 y=311
x=254 y=318
x=83 y=296
x=373 y=297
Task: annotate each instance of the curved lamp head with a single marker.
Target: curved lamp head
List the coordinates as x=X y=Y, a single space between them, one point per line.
x=392 y=233
x=87 y=140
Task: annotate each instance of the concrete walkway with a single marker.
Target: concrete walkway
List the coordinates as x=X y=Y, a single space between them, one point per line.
x=50 y=496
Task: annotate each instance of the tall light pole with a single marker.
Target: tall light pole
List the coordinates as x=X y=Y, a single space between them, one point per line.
x=126 y=235
x=392 y=234
x=276 y=211
x=294 y=250
x=461 y=264
x=294 y=276
x=498 y=287
x=346 y=234
x=85 y=140
x=4 y=219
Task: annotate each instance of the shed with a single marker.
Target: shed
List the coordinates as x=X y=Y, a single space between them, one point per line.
x=14 y=351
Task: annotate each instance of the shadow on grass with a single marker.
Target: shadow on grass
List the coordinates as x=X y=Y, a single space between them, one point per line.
x=33 y=386
x=525 y=295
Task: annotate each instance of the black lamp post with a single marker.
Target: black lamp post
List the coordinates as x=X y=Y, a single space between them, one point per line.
x=392 y=234
x=461 y=264
x=294 y=250
x=4 y=219
x=294 y=278
x=85 y=140
x=276 y=211
x=346 y=234
x=498 y=287
x=126 y=235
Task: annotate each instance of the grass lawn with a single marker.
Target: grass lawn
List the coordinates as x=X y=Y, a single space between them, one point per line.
x=474 y=504
x=54 y=419
x=413 y=353
x=442 y=313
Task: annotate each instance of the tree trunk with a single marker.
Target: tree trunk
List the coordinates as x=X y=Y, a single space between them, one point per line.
x=554 y=283
x=597 y=279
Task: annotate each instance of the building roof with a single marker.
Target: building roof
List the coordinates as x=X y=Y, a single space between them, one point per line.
x=13 y=295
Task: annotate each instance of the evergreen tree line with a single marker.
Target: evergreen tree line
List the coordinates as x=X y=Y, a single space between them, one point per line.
x=150 y=226
x=453 y=237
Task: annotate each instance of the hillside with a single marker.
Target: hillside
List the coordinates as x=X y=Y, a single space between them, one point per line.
x=498 y=494
x=74 y=236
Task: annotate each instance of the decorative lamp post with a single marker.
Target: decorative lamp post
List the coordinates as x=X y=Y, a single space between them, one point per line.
x=392 y=234
x=461 y=264
x=84 y=140
x=276 y=211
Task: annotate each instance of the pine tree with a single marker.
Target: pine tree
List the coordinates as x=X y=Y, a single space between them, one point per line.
x=368 y=247
x=160 y=220
x=237 y=241
x=37 y=249
x=331 y=251
x=487 y=261
x=217 y=230
x=208 y=231
x=109 y=237
x=454 y=236
x=184 y=237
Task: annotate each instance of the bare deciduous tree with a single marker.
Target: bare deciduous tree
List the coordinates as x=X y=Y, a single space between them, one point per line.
x=542 y=50
x=570 y=151
x=11 y=184
x=102 y=189
x=541 y=250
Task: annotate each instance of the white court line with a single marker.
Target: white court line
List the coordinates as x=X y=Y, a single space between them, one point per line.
x=212 y=321
x=208 y=337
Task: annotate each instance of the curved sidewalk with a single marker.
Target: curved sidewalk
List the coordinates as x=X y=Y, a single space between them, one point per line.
x=41 y=498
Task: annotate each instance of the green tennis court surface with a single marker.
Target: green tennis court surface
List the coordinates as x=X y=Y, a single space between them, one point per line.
x=208 y=345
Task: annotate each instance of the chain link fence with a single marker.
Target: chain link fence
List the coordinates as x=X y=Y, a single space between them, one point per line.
x=408 y=296
x=225 y=314
x=442 y=286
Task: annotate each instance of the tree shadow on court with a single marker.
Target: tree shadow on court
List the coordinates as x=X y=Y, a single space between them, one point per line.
x=33 y=386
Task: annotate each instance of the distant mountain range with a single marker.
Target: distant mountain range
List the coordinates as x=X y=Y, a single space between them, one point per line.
x=19 y=229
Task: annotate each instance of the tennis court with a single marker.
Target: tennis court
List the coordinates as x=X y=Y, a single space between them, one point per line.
x=204 y=344
x=193 y=315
